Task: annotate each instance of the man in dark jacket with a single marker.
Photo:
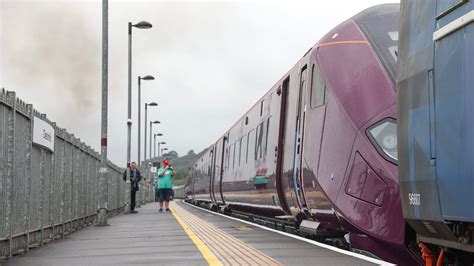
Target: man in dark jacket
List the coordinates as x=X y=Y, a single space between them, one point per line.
x=135 y=178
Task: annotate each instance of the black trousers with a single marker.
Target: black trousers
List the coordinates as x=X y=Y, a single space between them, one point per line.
x=157 y=195
x=132 y=199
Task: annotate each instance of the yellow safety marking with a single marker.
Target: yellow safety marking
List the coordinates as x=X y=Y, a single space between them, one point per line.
x=206 y=253
x=228 y=249
x=243 y=228
x=343 y=42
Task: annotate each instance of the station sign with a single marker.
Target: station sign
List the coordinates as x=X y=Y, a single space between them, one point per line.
x=43 y=134
x=155 y=167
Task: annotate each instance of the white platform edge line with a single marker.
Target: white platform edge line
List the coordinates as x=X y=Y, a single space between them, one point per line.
x=345 y=252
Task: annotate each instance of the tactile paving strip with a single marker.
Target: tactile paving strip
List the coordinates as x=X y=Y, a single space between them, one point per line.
x=228 y=249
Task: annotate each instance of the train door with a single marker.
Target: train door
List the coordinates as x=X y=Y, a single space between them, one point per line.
x=193 y=180
x=291 y=155
x=281 y=178
x=221 y=172
x=217 y=170
x=298 y=177
x=211 y=172
x=315 y=116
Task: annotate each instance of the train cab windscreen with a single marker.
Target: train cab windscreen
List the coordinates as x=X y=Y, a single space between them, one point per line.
x=382 y=33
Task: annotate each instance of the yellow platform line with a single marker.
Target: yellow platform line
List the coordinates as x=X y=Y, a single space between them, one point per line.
x=227 y=248
x=242 y=250
x=205 y=251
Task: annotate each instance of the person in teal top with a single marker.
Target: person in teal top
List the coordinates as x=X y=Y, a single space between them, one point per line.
x=165 y=175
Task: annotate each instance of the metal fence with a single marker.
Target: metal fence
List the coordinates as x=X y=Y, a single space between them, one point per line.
x=45 y=195
x=179 y=192
x=147 y=194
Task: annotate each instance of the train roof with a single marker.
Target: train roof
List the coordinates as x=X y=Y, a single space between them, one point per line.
x=376 y=11
x=366 y=14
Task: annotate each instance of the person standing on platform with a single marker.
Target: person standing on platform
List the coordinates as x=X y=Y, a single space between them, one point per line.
x=165 y=184
x=135 y=178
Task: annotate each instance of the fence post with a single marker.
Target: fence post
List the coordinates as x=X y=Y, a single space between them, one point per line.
x=41 y=191
x=29 y=110
x=10 y=152
x=72 y=212
x=81 y=168
x=52 y=182
x=61 y=178
x=103 y=194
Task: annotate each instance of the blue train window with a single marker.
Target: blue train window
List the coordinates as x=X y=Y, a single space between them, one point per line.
x=382 y=33
x=445 y=7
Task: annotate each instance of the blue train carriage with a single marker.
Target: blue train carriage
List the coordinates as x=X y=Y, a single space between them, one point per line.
x=435 y=87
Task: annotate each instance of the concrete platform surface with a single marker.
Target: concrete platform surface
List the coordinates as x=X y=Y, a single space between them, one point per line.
x=188 y=236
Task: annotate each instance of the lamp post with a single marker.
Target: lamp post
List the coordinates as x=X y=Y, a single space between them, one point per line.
x=147 y=77
x=163 y=149
x=102 y=208
x=139 y=25
x=154 y=143
x=159 y=143
x=151 y=131
x=146 y=122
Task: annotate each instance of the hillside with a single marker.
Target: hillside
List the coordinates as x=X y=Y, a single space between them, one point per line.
x=182 y=164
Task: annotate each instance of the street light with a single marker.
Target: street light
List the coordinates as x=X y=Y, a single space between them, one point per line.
x=154 y=143
x=159 y=143
x=142 y=25
x=147 y=77
x=163 y=149
x=103 y=198
x=146 y=121
x=139 y=25
x=151 y=132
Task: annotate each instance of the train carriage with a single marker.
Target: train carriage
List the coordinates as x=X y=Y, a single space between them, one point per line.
x=435 y=89
x=321 y=146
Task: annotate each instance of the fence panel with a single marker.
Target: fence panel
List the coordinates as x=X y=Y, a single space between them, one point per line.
x=22 y=150
x=35 y=211
x=58 y=182
x=4 y=110
x=46 y=171
x=68 y=185
x=45 y=194
x=93 y=185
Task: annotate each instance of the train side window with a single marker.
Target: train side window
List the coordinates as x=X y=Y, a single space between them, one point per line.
x=318 y=88
x=266 y=137
x=225 y=158
x=230 y=157
x=233 y=155
x=261 y=107
x=250 y=143
x=240 y=150
x=259 y=142
x=226 y=161
x=243 y=148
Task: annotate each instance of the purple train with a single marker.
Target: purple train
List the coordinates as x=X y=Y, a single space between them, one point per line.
x=320 y=148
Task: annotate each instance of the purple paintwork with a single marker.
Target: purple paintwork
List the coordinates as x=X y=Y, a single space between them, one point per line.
x=342 y=181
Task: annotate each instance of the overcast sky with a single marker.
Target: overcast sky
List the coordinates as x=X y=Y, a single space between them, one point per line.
x=212 y=61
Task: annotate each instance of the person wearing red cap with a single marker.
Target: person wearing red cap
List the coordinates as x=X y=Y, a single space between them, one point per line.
x=165 y=184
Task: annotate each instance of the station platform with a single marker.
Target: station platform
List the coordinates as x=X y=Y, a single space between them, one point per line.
x=186 y=236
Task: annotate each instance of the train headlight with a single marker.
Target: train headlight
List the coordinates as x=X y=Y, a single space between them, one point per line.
x=383 y=136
